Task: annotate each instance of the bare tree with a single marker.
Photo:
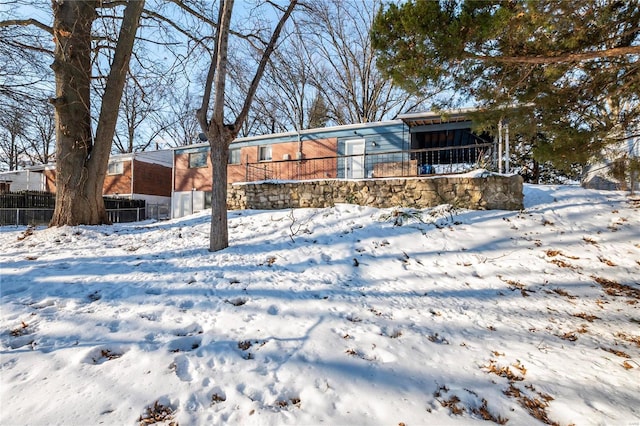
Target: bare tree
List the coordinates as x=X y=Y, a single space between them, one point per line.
x=178 y=120
x=12 y=132
x=82 y=157
x=219 y=130
x=41 y=141
x=139 y=122
x=24 y=75
x=338 y=48
x=289 y=89
x=265 y=116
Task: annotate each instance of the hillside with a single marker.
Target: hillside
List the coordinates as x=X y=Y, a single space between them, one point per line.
x=344 y=315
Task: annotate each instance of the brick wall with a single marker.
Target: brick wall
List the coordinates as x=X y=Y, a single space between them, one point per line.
x=151 y=179
x=49 y=180
x=186 y=179
x=200 y=178
x=320 y=148
x=120 y=183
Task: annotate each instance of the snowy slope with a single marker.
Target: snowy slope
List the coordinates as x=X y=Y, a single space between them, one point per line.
x=345 y=315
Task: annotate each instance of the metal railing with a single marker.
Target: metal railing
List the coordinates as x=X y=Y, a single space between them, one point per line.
x=42 y=216
x=25 y=216
x=125 y=215
x=158 y=211
x=417 y=162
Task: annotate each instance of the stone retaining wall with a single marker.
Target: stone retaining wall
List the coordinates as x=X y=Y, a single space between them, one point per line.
x=492 y=192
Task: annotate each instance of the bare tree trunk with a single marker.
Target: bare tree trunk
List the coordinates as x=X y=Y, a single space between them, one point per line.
x=81 y=164
x=219 y=142
x=221 y=135
x=72 y=66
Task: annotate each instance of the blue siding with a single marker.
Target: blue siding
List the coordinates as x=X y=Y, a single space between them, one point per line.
x=191 y=149
x=378 y=140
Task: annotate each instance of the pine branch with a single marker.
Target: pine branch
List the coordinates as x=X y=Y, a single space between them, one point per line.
x=563 y=58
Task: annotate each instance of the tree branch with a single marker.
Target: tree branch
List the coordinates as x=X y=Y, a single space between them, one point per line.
x=201 y=114
x=208 y=21
x=159 y=17
x=566 y=57
x=262 y=65
x=25 y=23
x=115 y=83
x=220 y=58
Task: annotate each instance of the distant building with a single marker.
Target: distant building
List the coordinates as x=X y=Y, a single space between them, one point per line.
x=145 y=175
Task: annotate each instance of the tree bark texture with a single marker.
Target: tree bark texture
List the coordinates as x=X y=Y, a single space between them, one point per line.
x=81 y=163
x=75 y=204
x=219 y=135
x=219 y=140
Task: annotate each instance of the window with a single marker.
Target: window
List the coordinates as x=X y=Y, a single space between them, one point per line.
x=234 y=156
x=197 y=159
x=264 y=153
x=115 y=168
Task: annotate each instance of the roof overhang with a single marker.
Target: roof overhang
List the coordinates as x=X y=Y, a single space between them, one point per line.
x=428 y=118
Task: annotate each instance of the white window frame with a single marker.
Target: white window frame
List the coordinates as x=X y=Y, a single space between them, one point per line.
x=233 y=153
x=265 y=153
x=193 y=164
x=115 y=168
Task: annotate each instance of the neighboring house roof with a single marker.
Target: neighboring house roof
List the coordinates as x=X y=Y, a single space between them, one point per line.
x=41 y=167
x=162 y=157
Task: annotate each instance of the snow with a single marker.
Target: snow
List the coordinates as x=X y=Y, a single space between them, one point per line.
x=344 y=315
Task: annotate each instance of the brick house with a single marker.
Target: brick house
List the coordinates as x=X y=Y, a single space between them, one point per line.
x=140 y=176
x=308 y=154
x=412 y=145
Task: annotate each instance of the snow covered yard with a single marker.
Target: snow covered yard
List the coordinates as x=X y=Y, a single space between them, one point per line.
x=346 y=315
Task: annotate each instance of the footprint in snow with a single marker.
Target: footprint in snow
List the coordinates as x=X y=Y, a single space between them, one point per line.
x=187 y=304
x=102 y=354
x=182 y=367
x=238 y=301
x=20 y=336
x=114 y=326
x=218 y=396
x=94 y=296
x=185 y=344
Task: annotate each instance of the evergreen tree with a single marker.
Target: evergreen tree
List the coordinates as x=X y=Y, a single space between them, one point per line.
x=319 y=113
x=573 y=66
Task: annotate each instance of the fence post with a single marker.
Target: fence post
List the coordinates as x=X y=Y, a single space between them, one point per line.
x=138 y=214
x=17 y=216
